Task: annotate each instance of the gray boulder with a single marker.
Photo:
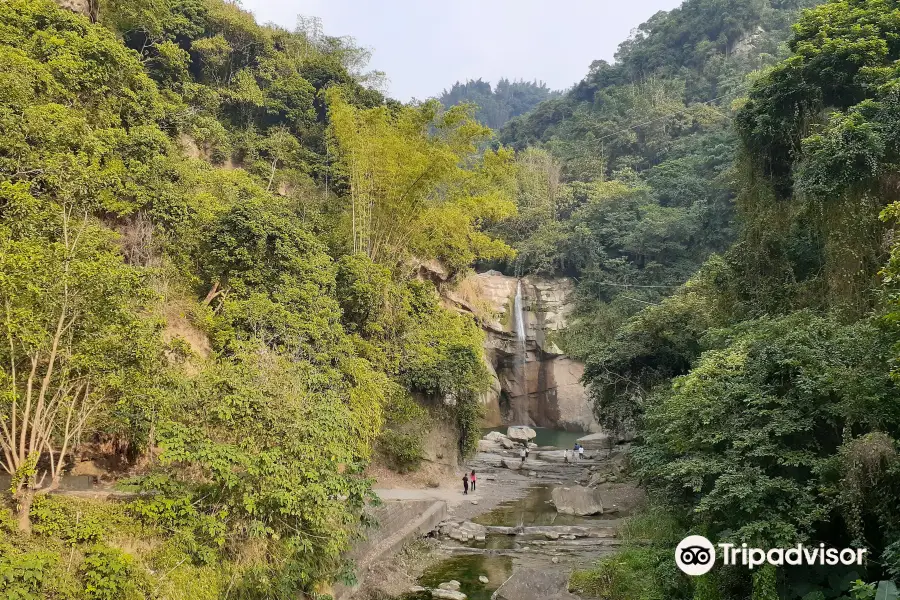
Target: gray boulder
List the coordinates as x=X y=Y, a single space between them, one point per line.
x=508 y=444
x=551 y=455
x=488 y=446
x=464 y=532
x=494 y=436
x=597 y=479
x=448 y=595
x=520 y=433
x=533 y=584
x=577 y=500
x=452 y=585
x=596 y=441
x=513 y=464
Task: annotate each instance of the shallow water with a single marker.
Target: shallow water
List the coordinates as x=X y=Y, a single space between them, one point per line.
x=533 y=509
x=466 y=569
x=547 y=437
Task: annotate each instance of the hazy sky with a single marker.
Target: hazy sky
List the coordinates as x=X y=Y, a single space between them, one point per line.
x=425 y=46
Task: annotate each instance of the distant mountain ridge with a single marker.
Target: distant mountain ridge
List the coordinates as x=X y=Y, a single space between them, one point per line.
x=498 y=104
x=703 y=48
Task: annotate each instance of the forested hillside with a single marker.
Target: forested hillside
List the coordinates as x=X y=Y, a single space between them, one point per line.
x=500 y=103
x=212 y=235
x=208 y=235
x=762 y=392
x=640 y=156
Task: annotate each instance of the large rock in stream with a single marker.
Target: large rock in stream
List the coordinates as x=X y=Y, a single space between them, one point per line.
x=513 y=464
x=596 y=441
x=463 y=532
x=520 y=433
x=496 y=442
x=531 y=584
x=577 y=500
x=448 y=595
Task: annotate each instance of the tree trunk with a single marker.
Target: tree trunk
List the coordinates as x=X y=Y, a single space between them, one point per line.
x=26 y=499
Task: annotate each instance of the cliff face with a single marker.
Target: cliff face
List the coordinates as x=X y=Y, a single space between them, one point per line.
x=86 y=7
x=545 y=388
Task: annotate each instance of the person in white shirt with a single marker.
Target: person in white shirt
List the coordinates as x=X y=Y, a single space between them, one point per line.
x=523 y=454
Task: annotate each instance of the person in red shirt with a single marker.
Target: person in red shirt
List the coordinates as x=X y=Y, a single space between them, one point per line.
x=472 y=480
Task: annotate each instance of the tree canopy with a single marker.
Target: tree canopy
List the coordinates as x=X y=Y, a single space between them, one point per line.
x=183 y=291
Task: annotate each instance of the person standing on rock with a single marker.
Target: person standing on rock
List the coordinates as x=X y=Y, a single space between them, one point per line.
x=580 y=452
x=472 y=479
x=466 y=483
x=523 y=453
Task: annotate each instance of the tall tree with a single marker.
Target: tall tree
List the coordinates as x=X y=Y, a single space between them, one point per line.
x=408 y=166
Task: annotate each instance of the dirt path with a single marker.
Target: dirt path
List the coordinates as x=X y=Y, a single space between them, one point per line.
x=490 y=491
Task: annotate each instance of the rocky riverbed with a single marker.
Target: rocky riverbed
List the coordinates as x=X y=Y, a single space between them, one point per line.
x=539 y=520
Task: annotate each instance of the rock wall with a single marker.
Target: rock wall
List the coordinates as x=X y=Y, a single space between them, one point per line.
x=548 y=388
x=440 y=445
x=86 y=7
x=398 y=522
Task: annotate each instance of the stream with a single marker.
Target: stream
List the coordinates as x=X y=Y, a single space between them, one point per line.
x=533 y=509
x=466 y=569
x=487 y=558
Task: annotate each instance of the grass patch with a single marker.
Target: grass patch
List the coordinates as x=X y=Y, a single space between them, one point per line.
x=645 y=567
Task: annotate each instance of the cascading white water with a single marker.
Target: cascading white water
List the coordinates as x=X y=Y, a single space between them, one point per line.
x=520 y=404
x=520 y=320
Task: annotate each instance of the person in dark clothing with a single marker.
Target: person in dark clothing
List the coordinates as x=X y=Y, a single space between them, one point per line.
x=472 y=479
x=465 y=483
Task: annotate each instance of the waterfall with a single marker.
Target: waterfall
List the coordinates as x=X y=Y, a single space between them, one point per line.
x=520 y=404
x=520 y=320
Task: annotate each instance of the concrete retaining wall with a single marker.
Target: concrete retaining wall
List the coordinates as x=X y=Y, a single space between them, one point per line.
x=398 y=523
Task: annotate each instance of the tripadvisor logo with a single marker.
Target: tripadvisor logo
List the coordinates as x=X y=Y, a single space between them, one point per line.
x=695 y=555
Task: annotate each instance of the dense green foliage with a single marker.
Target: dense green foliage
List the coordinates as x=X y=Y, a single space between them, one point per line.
x=763 y=392
x=181 y=282
x=497 y=104
x=209 y=234
x=658 y=122
x=643 y=569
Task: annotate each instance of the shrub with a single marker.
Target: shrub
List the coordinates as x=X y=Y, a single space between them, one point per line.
x=109 y=574
x=402 y=450
x=22 y=576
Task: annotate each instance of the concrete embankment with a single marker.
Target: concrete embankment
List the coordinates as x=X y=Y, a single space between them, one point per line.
x=399 y=521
